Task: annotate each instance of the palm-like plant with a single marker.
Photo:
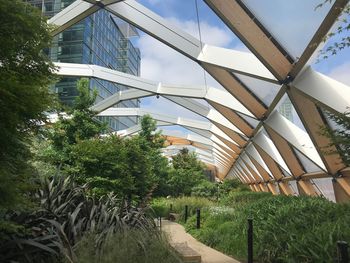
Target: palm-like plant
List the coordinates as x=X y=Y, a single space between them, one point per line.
x=67 y=213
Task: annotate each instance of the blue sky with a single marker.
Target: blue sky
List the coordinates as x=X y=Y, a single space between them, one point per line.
x=291 y=22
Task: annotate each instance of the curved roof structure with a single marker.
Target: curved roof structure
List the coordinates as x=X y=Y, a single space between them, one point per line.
x=244 y=135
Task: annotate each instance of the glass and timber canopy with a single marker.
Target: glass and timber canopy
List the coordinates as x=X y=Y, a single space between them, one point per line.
x=243 y=132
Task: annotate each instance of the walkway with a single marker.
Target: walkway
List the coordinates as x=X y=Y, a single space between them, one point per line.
x=177 y=234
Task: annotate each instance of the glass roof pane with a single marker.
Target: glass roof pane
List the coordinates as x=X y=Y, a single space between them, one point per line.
x=183 y=14
x=177 y=130
x=278 y=158
x=325 y=185
x=203 y=102
x=286 y=108
x=292 y=23
x=249 y=162
x=246 y=169
x=284 y=172
x=264 y=90
x=161 y=63
x=278 y=190
x=293 y=185
x=165 y=106
x=253 y=122
x=255 y=155
x=307 y=164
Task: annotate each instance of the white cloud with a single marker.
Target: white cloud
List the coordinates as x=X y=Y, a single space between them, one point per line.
x=176 y=130
x=341 y=73
x=161 y=63
x=212 y=35
x=292 y=23
x=164 y=106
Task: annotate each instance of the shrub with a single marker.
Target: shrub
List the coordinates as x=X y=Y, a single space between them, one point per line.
x=231 y=184
x=205 y=189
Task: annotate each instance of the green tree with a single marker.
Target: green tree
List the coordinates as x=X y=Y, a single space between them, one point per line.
x=229 y=185
x=102 y=163
x=206 y=189
x=25 y=75
x=148 y=133
x=187 y=171
x=77 y=124
x=161 y=171
x=141 y=167
x=124 y=166
x=187 y=160
x=127 y=167
x=153 y=142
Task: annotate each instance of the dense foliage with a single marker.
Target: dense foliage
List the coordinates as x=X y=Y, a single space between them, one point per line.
x=25 y=74
x=66 y=214
x=206 y=189
x=73 y=126
x=287 y=229
x=101 y=190
x=187 y=171
x=203 y=196
x=89 y=189
x=115 y=165
x=218 y=191
x=231 y=184
x=127 y=167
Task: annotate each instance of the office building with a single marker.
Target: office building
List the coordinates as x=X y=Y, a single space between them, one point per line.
x=100 y=39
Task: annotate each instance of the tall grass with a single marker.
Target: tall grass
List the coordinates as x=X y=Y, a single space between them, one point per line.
x=131 y=246
x=161 y=206
x=239 y=198
x=286 y=229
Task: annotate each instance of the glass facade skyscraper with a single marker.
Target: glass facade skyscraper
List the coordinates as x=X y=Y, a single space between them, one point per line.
x=100 y=39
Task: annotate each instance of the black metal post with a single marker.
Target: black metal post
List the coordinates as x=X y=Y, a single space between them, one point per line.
x=250 y=240
x=198 y=218
x=171 y=208
x=218 y=193
x=186 y=213
x=343 y=253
